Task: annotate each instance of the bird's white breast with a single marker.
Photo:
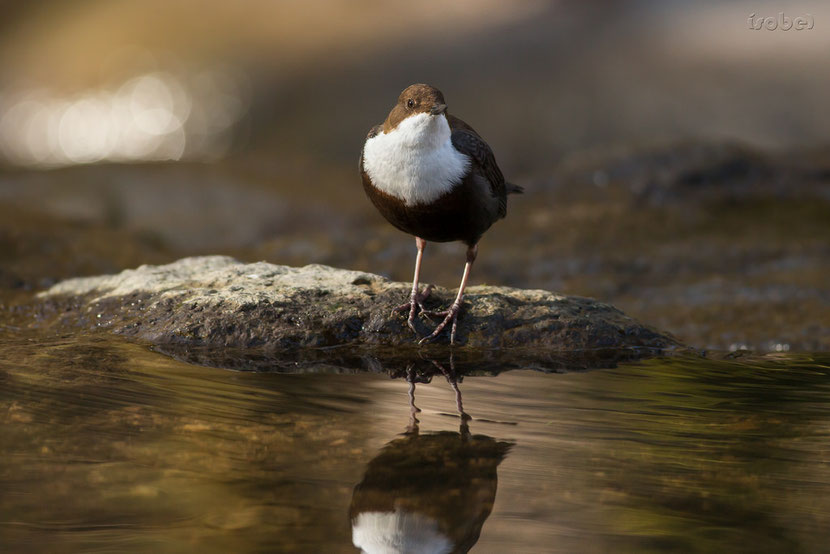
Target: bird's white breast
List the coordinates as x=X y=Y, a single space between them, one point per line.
x=415 y=161
x=398 y=532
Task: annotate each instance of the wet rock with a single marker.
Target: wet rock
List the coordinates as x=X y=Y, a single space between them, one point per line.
x=217 y=301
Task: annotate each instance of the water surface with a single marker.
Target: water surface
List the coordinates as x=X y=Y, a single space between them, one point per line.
x=108 y=446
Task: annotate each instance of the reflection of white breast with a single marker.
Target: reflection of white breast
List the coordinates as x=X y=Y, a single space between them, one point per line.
x=415 y=161
x=398 y=532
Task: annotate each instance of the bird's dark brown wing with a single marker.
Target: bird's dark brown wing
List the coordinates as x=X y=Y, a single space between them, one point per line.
x=466 y=140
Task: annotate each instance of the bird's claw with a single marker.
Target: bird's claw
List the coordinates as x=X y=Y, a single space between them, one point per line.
x=416 y=301
x=450 y=315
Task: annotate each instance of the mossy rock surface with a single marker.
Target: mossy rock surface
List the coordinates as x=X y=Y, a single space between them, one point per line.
x=216 y=301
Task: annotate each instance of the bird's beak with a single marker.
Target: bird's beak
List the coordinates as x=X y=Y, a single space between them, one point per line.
x=438 y=109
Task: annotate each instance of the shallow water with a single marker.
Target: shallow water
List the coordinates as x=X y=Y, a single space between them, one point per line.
x=108 y=446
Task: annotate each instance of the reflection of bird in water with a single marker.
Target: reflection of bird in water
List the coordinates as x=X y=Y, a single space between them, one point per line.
x=427 y=493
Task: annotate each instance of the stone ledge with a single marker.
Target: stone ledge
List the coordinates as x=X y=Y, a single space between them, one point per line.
x=216 y=301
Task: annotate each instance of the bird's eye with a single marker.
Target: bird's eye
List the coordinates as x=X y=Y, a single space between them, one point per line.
x=410 y=103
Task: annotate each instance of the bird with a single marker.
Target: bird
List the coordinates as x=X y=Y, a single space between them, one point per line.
x=431 y=175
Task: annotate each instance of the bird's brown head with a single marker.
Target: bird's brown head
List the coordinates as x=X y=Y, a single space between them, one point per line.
x=415 y=99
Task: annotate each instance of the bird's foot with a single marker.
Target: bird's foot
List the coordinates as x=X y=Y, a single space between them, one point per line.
x=450 y=315
x=416 y=301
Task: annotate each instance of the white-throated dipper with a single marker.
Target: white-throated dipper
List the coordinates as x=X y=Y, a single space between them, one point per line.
x=432 y=176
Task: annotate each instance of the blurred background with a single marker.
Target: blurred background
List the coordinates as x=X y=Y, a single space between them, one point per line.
x=675 y=159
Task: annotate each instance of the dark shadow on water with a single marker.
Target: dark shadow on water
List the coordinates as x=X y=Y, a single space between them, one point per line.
x=396 y=360
x=427 y=492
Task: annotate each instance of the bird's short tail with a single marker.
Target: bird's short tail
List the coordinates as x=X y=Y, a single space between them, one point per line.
x=514 y=189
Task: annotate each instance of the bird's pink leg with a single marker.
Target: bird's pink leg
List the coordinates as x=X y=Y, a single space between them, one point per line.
x=451 y=315
x=416 y=297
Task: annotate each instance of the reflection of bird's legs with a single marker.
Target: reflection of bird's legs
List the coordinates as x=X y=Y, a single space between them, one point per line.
x=464 y=415
x=464 y=428
x=412 y=428
x=453 y=381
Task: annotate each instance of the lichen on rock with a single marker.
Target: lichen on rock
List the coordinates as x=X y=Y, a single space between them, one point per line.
x=216 y=301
